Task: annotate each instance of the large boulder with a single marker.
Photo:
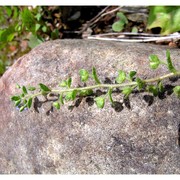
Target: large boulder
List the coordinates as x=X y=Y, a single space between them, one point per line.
x=138 y=136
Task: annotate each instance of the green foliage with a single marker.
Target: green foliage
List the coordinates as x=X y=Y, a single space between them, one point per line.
x=63 y=84
x=66 y=83
x=131 y=75
x=31 y=88
x=154 y=61
x=7 y=34
x=29 y=103
x=110 y=95
x=24 y=90
x=127 y=91
x=118 y=26
x=56 y=105
x=28 y=20
x=67 y=93
x=2 y=67
x=84 y=75
x=134 y=30
x=34 y=41
x=24 y=24
x=94 y=75
x=140 y=83
x=121 y=77
x=44 y=88
x=61 y=98
x=69 y=80
x=15 y=98
x=169 y=62
x=100 y=101
x=70 y=96
x=165 y=17
x=160 y=87
x=177 y=91
x=152 y=89
x=87 y=92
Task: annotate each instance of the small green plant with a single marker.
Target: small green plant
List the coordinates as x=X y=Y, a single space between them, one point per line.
x=23 y=28
x=165 y=17
x=2 y=67
x=119 y=25
x=127 y=83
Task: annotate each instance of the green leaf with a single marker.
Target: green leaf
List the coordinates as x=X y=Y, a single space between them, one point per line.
x=7 y=34
x=131 y=75
x=18 y=86
x=44 y=88
x=63 y=84
x=160 y=87
x=94 y=75
x=122 y=17
x=118 y=26
x=18 y=28
x=169 y=63
x=110 y=95
x=44 y=29
x=24 y=90
x=34 y=41
x=165 y=17
x=8 y=10
x=152 y=89
x=55 y=34
x=37 y=26
x=87 y=92
x=16 y=10
x=69 y=80
x=31 y=88
x=28 y=19
x=61 y=99
x=140 y=83
x=71 y=95
x=22 y=95
x=22 y=108
x=100 y=101
x=176 y=91
x=56 y=105
x=154 y=61
x=17 y=102
x=15 y=98
x=121 y=77
x=25 y=102
x=29 y=102
x=134 y=29
x=84 y=75
x=127 y=91
x=2 y=67
x=38 y=16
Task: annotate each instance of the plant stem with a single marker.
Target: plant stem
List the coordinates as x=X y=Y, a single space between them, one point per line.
x=117 y=85
x=112 y=86
x=163 y=77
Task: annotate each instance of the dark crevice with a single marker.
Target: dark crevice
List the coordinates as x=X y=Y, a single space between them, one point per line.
x=179 y=135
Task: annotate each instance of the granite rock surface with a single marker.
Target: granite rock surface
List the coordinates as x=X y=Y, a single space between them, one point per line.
x=139 y=136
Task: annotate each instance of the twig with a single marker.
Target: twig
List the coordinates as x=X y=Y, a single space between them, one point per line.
x=97 y=18
x=112 y=11
x=139 y=38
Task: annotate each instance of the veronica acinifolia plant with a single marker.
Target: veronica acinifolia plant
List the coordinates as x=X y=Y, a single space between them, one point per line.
x=68 y=93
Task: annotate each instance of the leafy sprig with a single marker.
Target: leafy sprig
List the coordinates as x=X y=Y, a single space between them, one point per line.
x=126 y=83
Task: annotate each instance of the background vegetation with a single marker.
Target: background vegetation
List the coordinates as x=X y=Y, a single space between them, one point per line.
x=23 y=28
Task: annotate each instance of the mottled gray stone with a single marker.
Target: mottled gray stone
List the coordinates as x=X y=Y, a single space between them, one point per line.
x=140 y=139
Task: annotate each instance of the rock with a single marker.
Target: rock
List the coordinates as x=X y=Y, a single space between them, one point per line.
x=139 y=136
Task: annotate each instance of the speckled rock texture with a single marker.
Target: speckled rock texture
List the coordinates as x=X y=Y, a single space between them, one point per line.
x=140 y=136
